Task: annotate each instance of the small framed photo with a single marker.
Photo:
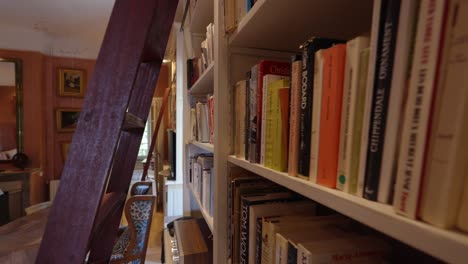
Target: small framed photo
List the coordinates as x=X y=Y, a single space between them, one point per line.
x=71 y=82
x=67 y=119
x=65 y=145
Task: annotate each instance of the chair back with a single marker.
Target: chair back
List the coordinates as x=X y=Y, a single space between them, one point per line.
x=141 y=188
x=132 y=244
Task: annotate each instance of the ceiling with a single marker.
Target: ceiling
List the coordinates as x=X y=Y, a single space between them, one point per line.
x=65 y=19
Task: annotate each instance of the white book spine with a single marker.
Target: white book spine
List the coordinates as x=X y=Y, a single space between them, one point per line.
x=370 y=88
x=303 y=255
x=353 y=51
x=316 y=106
x=401 y=68
x=447 y=155
x=418 y=108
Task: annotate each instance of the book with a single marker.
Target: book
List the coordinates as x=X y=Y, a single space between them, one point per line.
x=358 y=249
x=253 y=114
x=295 y=95
x=429 y=34
x=316 y=108
x=352 y=180
x=257 y=212
x=240 y=98
x=332 y=94
x=274 y=148
x=230 y=14
x=308 y=61
x=192 y=243
x=283 y=122
x=246 y=202
x=382 y=85
x=210 y=106
x=265 y=67
x=374 y=37
x=350 y=93
x=268 y=80
x=247 y=116
x=401 y=72
x=447 y=156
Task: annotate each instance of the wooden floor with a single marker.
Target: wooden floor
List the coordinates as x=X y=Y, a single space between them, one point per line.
x=153 y=254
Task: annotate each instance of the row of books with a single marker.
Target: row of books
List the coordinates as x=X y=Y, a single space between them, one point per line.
x=234 y=11
x=201 y=179
x=272 y=225
x=372 y=116
x=198 y=65
x=202 y=121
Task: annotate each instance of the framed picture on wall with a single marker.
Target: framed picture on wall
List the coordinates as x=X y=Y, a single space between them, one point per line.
x=71 y=82
x=66 y=119
x=65 y=146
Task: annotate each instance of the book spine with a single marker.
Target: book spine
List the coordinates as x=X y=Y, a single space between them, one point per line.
x=316 y=108
x=358 y=120
x=376 y=16
x=381 y=94
x=247 y=117
x=282 y=130
x=270 y=110
x=401 y=72
x=292 y=253
x=244 y=233
x=330 y=120
x=258 y=245
x=308 y=59
x=253 y=114
x=429 y=37
x=447 y=155
x=294 y=118
x=265 y=102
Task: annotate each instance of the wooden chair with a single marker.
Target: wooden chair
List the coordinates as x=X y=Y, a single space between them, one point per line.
x=131 y=245
x=141 y=188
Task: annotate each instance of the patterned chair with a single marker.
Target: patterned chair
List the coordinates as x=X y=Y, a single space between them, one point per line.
x=132 y=243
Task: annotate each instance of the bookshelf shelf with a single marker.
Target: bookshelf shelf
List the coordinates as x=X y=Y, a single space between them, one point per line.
x=204 y=84
x=202 y=15
x=264 y=25
x=447 y=245
x=206 y=146
x=206 y=215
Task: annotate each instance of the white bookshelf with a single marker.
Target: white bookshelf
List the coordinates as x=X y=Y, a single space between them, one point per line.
x=204 y=84
x=284 y=25
x=376 y=215
x=205 y=146
x=272 y=30
x=208 y=218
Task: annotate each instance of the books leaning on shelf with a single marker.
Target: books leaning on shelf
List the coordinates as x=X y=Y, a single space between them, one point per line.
x=201 y=180
x=202 y=121
x=198 y=65
x=381 y=116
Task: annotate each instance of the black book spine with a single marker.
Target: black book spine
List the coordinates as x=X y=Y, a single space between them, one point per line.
x=244 y=233
x=258 y=245
x=292 y=254
x=381 y=94
x=307 y=86
x=189 y=73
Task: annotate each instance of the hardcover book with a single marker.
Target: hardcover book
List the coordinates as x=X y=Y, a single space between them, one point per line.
x=295 y=96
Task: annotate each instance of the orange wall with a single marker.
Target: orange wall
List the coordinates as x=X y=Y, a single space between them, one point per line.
x=7 y=104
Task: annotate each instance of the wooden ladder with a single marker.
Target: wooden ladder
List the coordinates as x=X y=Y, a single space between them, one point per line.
x=85 y=216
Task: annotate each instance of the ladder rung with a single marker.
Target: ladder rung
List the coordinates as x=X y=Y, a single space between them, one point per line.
x=133 y=123
x=109 y=205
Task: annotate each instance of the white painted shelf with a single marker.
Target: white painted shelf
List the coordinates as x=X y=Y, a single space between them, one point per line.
x=284 y=25
x=447 y=245
x=206 y=146
x=201 y=15
x=204 y=84
x=206 y=215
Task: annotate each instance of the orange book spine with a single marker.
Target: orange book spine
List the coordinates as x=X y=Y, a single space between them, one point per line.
x=294 y=118
x=330 y=119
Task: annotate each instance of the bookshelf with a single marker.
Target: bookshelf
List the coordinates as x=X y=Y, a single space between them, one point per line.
x=204 y=84
x=205 y=146
x=208 y=218
x=274 y=29
x=201 y=15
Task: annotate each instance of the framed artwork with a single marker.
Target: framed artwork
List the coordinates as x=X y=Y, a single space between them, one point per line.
x=65 y=147
x=67 y=119
x=71 y=82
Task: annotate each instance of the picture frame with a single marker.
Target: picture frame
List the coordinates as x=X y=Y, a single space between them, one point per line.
x=67 y=119
x=65 y=146
x=71 y=82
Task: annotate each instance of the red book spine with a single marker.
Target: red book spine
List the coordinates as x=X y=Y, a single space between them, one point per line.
x=330 y=119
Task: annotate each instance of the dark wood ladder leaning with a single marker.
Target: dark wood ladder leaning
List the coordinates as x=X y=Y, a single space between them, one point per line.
x=89 y=202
